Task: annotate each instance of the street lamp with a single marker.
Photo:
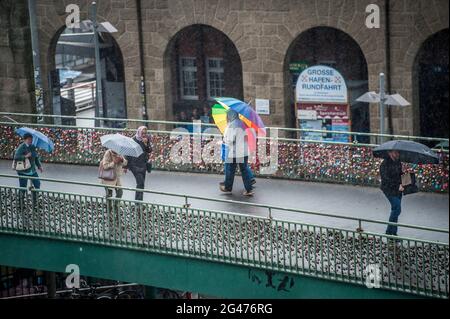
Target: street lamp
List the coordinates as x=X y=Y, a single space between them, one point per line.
x=95 y=27
x=383 y=99
x=39 y=93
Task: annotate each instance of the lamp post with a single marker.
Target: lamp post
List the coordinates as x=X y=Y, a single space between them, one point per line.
x=97 y=28
x=98 y=67
x=382 y=100
x=36 y=61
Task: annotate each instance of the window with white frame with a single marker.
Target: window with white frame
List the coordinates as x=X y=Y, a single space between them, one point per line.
x=188 y=76
x=216 y=87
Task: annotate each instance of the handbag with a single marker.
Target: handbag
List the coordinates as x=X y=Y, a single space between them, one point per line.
x=107 y=174
x=411 y=188
x=20 y=166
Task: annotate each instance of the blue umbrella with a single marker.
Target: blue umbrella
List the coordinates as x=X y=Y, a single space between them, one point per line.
x=39 y=140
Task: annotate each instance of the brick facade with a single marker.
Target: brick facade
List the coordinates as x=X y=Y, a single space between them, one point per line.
x=16 y=89
x=262 y=31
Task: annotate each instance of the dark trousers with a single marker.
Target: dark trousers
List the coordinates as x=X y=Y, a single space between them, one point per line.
x=140 y=183
x=112 y=206
x=396 y=209
x=230 y=172
x=23 y=182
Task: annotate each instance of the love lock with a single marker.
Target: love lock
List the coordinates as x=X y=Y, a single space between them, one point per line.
x=186 y=205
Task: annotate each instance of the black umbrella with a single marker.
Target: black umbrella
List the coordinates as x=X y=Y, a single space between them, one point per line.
x=410 y=152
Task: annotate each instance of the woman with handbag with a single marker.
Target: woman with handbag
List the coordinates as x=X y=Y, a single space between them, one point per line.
x=139 y=166
x=111 y=168
x=26 y=160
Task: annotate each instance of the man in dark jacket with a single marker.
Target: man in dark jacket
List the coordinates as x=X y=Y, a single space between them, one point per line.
x=138 y=165
x=391 y=185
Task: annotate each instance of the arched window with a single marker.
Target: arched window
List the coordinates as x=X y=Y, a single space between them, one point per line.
x=73 y=78
x=204 y=63
x=432 y=71
x=334 y=48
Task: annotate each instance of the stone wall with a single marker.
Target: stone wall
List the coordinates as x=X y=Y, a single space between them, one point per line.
x=262 y=30
x=16 y=70
x=412 y=23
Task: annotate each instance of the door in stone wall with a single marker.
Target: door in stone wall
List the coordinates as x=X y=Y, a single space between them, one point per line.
x=433 y=72
x=74 y=65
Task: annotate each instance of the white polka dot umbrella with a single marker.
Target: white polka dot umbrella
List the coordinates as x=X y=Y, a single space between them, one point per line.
x=122 y=145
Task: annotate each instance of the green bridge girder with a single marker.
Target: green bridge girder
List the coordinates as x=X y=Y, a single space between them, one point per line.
x=173 y=272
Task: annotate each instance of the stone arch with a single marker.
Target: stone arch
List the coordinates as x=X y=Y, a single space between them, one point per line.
x=430 y=71
x=217 y=69
x=352 y=65
x=80 y=101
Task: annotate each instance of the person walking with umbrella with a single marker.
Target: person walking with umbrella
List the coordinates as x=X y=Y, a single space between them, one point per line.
x=394 y=153
x=235 y=139
x=111 y=167
x=113 y=163
x=26 y=153
x=139 y=166
x=391 y=185
x=251 y=122
x=26 y=158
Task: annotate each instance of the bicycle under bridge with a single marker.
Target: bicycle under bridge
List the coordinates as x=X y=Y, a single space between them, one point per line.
x=218 y=253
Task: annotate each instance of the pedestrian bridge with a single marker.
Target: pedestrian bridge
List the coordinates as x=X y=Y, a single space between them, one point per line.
x=224 y=254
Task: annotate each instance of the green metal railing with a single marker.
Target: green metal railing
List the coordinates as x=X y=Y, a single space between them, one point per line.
x=331 y=162
x=188 y=202
x=401 y=264
x=358 y=222
x=192 y=134
x=354 y=135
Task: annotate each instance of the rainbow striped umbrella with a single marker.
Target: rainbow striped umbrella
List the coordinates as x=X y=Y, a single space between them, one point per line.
x=251 y=119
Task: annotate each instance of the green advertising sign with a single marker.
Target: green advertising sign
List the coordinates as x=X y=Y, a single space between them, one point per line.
x=298 y=67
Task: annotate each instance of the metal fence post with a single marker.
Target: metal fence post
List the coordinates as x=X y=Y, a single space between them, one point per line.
x=186 y=202
x=359 y=229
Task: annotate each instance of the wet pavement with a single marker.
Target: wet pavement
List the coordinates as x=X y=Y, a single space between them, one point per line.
x=424 y=209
